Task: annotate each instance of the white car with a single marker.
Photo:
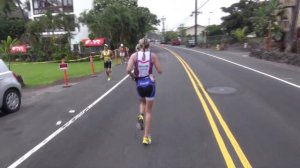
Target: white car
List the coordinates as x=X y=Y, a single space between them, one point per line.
x=10 y=90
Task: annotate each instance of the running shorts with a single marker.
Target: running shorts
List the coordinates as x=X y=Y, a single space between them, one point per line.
x=122 y=54
x=146 y=88
x=107 y=64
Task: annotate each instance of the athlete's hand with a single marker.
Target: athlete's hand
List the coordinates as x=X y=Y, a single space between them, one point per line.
x=132 y=75
x=152 y=77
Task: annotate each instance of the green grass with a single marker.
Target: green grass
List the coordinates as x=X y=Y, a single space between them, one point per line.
x=48 y=73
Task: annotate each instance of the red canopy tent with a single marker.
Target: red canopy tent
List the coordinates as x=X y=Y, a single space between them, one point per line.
x=19 y=49
x=93 y=43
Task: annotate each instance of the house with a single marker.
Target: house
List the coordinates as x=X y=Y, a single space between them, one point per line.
x=190 y=31
x=70 y=7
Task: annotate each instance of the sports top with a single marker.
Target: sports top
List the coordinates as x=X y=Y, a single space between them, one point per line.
x=143 y=64
x=106 y=55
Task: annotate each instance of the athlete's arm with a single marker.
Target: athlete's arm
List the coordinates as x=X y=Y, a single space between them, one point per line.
x=127 y=51
x=110 y=54
x=101 y=54
x=156 y=63
x=130 y=64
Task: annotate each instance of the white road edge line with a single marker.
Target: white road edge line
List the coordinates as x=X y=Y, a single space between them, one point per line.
x=243 y=66
x=59 y=130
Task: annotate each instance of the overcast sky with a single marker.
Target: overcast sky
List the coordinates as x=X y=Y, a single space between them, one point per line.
x=177 y=12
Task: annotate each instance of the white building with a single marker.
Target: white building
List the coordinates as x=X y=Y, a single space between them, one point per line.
x=191 y=30
x=71 y=7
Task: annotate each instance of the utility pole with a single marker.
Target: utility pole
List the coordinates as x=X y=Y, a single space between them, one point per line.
x=163 y=19
x=291 y=35
x=196 y=13
x=209 y=18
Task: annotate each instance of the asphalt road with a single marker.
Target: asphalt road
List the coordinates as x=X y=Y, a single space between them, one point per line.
x=213 y=109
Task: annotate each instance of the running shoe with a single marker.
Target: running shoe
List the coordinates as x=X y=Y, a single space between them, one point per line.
x=140 y=120
x=108 y=79
x=147 y=140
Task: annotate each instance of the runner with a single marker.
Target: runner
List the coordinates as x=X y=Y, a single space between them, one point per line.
x=123 y=51
x=107 y=56
x=143 y=61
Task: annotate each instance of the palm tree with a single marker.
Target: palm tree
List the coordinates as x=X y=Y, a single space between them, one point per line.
x=7 y=44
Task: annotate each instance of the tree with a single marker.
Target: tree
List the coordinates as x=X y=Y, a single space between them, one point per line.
x=100 y=5
x=11 y=27
x=264 y=18
x=170 y=35
x=181 y=31
x=44 y=45
x=240 y=34
x=67 y=23
x=239 y=14
x=214 y=30
x=119 y=20
x=7 y=44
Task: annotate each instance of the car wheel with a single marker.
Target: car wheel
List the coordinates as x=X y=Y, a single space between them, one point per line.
x=11 y=101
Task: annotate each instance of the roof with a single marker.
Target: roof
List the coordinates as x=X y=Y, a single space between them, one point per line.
x=194 y=26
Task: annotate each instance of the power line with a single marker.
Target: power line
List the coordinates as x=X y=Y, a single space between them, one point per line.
x=189 y=17
x=203 y=4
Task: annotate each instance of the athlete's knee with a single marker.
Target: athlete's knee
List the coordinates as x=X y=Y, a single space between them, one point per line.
x=143 y=100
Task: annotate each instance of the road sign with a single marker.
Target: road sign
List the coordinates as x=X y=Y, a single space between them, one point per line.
x=63 y=66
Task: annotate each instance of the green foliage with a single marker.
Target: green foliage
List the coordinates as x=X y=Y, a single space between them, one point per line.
x=239 y=14
x=7 y=44
x=100 y=5
x=240 y=34
x=170 y=35
x=214 y=30
x=11 y=27
x=264 y=18
x=51 y=47
x=119 y=20
x=92 y=36
x=6 y=6
x=181 y=31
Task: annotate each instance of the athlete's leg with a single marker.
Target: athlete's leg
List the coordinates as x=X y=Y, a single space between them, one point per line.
x=141 y=118
x=148 y=110
x=142 y=105
x=107 y=72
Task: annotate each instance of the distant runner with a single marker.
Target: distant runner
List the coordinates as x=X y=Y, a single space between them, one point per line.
x=123 y=52
x=107 y=56
x=143 y=61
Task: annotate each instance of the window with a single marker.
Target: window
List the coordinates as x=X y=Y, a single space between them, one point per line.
x=53 y=6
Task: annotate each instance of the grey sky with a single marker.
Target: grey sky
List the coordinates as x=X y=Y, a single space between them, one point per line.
x=179 y=11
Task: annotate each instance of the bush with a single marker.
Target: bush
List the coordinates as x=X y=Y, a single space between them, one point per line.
x=281 y=57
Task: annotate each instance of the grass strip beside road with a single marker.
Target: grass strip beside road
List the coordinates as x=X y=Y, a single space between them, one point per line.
x=48 y=73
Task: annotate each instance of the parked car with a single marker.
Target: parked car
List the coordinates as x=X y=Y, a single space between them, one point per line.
x=175 y=42
x=190 y=43
x=10 y=90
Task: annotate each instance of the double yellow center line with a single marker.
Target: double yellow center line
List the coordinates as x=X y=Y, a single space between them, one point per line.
x=197 y=84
